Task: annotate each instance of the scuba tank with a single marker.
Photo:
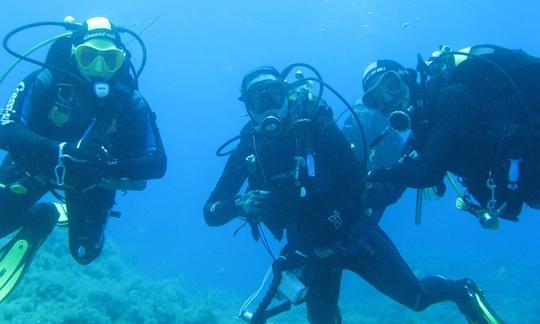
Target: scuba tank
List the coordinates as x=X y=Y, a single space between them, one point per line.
x=503 y=75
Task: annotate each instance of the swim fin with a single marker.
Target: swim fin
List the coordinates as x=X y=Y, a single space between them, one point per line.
x=63 y=220
x=17 y=254
x=475 y=306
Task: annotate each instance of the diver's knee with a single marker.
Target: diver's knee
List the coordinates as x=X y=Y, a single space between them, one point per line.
x=42 y=216
x=428 y=292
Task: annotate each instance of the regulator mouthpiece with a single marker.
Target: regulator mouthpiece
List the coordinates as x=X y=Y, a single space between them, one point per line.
x=399 y=121
x=101 y=89
x=271 y=125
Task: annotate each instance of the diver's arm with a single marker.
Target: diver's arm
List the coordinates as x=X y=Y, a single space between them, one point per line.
x=428 y=167
x=151 y=165
x=380 y=195
x=220 y=207
x=150 y=160
x=17 y=117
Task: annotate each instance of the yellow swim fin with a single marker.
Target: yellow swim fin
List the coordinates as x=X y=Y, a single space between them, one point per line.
x=17 y=254
x=475 y=306
x=15 y=259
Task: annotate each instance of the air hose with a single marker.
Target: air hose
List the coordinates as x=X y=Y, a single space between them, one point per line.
x=30 y=51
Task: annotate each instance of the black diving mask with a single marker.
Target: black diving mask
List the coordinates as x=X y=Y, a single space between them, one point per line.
x=267 y=104
x=265 y=96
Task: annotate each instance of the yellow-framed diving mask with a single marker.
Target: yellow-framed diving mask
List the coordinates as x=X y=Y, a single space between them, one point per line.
x=388 y=92
x=98 y=59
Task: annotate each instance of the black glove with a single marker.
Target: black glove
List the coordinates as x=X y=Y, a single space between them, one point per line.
x=94 y=150
x=85 y=162
x=254 y=205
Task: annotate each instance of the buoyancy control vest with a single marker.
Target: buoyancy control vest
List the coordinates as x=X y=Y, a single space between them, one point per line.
x=505 y=85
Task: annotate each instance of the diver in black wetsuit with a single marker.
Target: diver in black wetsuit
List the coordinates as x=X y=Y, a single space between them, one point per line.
x=303 y=179
x=74 y=131
x=477 y=117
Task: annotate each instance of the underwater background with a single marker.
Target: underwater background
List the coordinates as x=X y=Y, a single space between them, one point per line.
x=162 y=264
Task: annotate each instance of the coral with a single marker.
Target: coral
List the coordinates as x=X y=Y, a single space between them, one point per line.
x=58 y=290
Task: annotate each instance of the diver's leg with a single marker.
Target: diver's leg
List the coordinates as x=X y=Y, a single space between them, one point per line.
x=18 y=210
x=323 y=277
x=18 y=192
x=88 y=214
x=378 y=261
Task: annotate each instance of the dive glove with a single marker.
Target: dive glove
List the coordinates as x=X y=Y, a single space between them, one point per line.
x=92 y=150
x=254 y=205
x=84 y=163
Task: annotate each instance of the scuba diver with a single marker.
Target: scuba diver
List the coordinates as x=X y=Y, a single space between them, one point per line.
x=475 y=114
x=387 y=151
x=78 y=125
x=304 y=183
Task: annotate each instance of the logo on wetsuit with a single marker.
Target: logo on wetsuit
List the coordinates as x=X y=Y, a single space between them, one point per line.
x=8 y=111
x=336 y=219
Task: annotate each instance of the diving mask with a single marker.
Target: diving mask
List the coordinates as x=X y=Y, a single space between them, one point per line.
x=98 y=58
x=267 y=104
x=265 y=96
x=388 y=92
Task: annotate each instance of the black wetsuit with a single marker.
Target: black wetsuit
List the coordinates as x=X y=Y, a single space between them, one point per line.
x=47 y=109
x=320 y=214
x=473 y=128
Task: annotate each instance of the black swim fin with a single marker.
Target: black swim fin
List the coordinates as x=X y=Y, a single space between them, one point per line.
x=475 y=306
x=17 y=254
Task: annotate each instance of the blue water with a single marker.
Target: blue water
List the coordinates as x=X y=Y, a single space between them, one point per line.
x=198 y=53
